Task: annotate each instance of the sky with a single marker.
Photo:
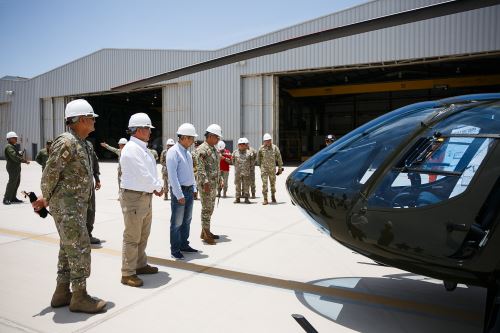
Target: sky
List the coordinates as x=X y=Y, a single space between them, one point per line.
x=37 y=36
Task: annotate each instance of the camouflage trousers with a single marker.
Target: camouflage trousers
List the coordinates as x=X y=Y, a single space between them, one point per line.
x=91 y=213
x=242 y=185
x=225 y=178
x=74 y=246
x=252 y=179
x=165 y=183
x=265 y=175
x=207 y=204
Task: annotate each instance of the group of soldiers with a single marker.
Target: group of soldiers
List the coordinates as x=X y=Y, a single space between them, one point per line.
x=71 y=175
x=244 y=159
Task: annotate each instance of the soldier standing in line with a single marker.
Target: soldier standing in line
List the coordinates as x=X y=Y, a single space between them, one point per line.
x=66 y=187
x=194 y=154
x=242 y=162
x=253 y=156
x=208 y=179
x=14 y=160
x=164 y=171
x=139 y=181
x=225 y=160
x=268 y=157
x=43 y=155
x=121 y=143
x=91 y=209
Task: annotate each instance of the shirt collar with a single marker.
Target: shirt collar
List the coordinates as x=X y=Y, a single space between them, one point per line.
x=141 y=143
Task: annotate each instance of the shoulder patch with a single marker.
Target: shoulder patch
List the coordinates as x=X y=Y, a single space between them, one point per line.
x=65 y=154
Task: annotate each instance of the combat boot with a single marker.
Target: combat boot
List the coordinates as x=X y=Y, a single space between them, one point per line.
x=82 y=302
x=214 y=236
x=273 y=198
x=207 y=238
x=237 y=200
x=253 y=195
x=62 y=295
x=265 y=200
x=224 y=194
x=247 y=201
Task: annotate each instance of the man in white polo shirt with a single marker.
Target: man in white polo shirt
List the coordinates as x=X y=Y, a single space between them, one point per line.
x=139 y=181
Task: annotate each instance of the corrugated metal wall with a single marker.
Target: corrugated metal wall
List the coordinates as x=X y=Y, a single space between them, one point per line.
x=215 y=96
x=257 y=106
x=5 y=125
x=176 y=108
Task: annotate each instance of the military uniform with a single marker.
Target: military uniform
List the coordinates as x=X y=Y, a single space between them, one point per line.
x=95 y=173
x=253 y=155
x=118 y=153
x=164 y=171
x=207 y=160
x=154 y=153
x=13 y=166
x=268 y=158
x=225 y=160
x=42 y=157
x=67 y=186
x=242 y=161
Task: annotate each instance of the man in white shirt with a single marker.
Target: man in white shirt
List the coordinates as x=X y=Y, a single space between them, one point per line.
x=139 y=181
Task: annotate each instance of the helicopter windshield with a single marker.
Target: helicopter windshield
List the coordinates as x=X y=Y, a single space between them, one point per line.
x=348 y=165
x=442 y=163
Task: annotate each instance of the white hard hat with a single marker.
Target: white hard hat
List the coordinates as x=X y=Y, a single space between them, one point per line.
x=140 y=120
x=187 y=129
x=246 y=140
x=170 y=142
x=11 y=135
x=215 y=129
x=122 y=141
x=221 y=145
x=266 y=137
x=79 y=107
x=241 y=141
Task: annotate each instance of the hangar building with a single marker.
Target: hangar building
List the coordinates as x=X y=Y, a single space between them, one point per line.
x=298 y=96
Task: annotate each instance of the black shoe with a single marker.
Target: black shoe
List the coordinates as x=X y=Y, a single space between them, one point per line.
x=177 y=255
x=94 y=240
x=6 y=202
x=16 y=200
x=189 y=249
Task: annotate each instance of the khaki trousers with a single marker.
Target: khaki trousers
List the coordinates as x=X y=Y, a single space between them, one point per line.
x=137 y=215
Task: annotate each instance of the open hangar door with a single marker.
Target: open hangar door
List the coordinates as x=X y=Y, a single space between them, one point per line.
x=315 y=104
x=114 y=112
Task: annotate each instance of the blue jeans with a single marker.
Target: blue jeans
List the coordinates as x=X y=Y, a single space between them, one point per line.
x=180 y=221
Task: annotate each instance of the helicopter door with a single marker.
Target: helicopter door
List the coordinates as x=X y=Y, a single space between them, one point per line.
x=427 y=203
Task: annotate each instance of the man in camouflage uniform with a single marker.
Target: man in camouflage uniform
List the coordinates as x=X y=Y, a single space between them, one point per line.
x=14 y=160
x=242 y=162
x=164 y=171
x=43 y=154
x=91 y=209
x=268 y=157
x=225 y=161
x=208 y=179
x=197 y=143
x=253 y=155
x=66 y=187
x=121 y=143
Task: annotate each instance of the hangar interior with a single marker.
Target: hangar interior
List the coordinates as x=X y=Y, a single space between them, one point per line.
x=314 y=104
x=114 y=112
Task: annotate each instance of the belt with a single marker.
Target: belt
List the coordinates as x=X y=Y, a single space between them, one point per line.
x=186 y=187
x=141 y=192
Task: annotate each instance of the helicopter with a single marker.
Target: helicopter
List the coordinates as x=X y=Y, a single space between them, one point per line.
x=417 y=189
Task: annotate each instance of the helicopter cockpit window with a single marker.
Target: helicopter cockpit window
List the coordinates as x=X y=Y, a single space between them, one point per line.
x=442 y=164
x=350 y=165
